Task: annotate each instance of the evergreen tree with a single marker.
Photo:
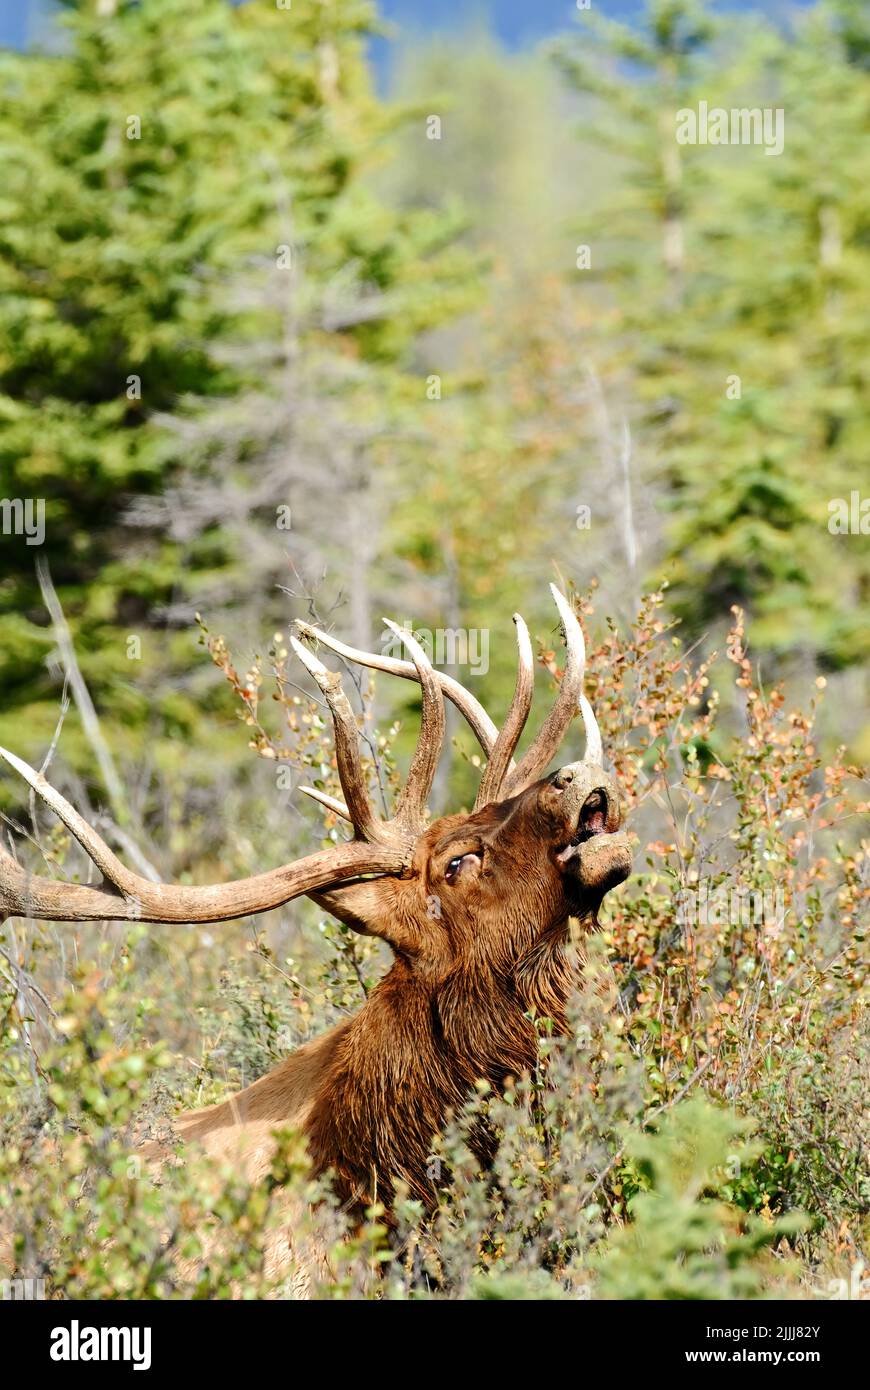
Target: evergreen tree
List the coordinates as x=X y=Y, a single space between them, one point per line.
x=737 y=276
x=175 y=175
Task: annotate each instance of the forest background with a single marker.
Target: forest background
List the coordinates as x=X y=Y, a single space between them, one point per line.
x=304 y=314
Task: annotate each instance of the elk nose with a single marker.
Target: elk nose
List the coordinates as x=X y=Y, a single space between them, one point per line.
x=563 y=778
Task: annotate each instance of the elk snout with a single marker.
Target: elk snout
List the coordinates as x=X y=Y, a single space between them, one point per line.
x=587 y=797
x=595 y=851
x=563 y=778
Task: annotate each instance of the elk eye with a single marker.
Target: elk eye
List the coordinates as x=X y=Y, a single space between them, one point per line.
x=455 y=865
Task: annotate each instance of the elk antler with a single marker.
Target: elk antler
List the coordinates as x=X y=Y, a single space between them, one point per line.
x=379 y=846
x=411 y=810
x=501 y=757
x=125 y=897
x=410 y=814
x=470 y=708
x=569 y=698
x=350 y=768
x=501 y=778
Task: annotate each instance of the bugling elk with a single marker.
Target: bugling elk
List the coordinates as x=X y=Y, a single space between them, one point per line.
x=475 y=908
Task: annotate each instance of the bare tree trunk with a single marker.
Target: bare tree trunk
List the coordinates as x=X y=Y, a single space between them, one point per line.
x=673 y=243
x=830 y=254
x=362 y=549
x=619 y=469
x=453 y=618
x=82 y=696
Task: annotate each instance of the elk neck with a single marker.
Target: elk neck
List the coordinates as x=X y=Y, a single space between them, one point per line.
x=413 y=1054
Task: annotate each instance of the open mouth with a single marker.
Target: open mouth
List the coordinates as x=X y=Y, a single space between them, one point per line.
x=596 y=816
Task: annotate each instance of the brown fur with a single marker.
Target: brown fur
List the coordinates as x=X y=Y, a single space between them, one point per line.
x=475 y=908
x=476 y=959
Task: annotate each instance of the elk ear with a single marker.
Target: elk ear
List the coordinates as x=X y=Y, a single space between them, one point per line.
x=372 y=906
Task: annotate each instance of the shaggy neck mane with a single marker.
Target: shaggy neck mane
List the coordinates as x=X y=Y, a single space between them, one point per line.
x=379 y=1108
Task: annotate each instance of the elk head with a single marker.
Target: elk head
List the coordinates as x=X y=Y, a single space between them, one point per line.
x=483 y=890
x=486 y=889
x=475 y=906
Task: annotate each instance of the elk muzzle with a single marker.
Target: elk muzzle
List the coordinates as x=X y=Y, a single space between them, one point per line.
x=595 y=851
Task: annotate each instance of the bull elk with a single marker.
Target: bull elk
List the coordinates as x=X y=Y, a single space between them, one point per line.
x=475 y=908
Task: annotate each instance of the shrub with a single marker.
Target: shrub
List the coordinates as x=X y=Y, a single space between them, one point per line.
x=727 y=980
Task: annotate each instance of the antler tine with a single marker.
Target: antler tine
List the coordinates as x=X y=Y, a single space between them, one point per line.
x=126 y=897
x=331 y=803
x=96 y=848
x=471 y=709
x=350 y=768
x=509 y=735
x=594 y=746
x=56 y=900
x=565 y=706
x=411 y=808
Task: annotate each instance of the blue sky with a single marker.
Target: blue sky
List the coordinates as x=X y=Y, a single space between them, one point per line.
x=516 y=21
x=519 y=23
x=13 y=22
